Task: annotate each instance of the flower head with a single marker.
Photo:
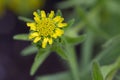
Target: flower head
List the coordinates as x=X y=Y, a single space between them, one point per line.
x=45 y=28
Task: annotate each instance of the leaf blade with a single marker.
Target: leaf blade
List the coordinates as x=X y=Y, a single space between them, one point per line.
x=97 y=75
x=76 y=40
x=25 y=19
x=29 y=50
x=23 y=37
x=39 y=59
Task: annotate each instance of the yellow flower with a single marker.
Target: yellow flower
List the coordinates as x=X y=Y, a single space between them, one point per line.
x=46 y=28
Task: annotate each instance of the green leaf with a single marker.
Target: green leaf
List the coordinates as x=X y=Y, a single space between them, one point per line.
x=109 y=71
x=61 y=53
x=58 y=13
x=75 y=40
x=113 y=7
x=112 y=41
x=39 y=58
x=25 y=19
x=71 y=33
x=21 y=37
x=113 y=50
x=57 y=76
x=97 y=75
x=118 y=77
x=29 y=50
x=70 y=23
x=38 y=11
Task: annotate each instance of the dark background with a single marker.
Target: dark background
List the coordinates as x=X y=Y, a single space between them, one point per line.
x=13 y=66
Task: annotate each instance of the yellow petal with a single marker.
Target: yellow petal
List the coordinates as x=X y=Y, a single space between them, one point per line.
x=36 y=39
x=43 y=14
x=58 y=19
x=59 y=32
x=37 y=17
x=54 y=35
x=61 y=20
x=62 y=24
x=50 y=41
x=51 y=15
x=36 y=14
x=44 y=43
x=32 y=26
x=33 y=35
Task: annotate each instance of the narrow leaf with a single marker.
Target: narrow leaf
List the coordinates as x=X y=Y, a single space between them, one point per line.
x=38 y=11
x=76 y=40
x=25 y=19
x=39 y=59
x=70 y=23
x=112 y=41
x=21 y=37
x=57 y=76
x=109 y=71
x=97 y=75
x=29 y=50
x=61 y=53
x=58 y=13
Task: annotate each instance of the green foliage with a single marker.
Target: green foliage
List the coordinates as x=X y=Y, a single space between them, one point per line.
x=109 y=71
x=113 y=7
x=57 y=76
x=58 y=13
x=75 y=40
x=39 y=59
x=61 y=53
x=106 y=72
x=97 y=75
x=29 y=50
x=25 y=19
x=110 y=52
x=70 y=23
x=99 y=21
x=21 y=37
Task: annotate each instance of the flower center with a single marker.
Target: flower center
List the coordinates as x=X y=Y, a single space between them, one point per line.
x=46 y=27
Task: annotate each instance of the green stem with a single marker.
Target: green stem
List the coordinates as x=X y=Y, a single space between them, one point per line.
x=87 y=48
x=72 y=60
